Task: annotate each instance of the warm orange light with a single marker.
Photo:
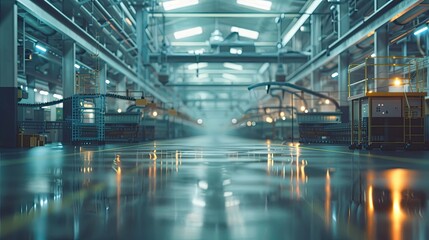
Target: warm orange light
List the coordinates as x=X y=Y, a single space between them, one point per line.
x=397 y=82
x=370 y=199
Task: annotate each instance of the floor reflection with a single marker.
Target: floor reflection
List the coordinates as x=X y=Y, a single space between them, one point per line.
x=207 y=188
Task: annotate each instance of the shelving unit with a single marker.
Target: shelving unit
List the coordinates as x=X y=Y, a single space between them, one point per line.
x=88 y=125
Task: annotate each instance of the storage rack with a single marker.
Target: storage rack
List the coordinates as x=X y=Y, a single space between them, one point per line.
x=88 y=125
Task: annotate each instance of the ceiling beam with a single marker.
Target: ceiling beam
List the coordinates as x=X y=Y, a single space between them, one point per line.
x=211 y=85
x=222 y=15
x=388 y=13
x=50 y=15
x=226 y=57
x=207 y=44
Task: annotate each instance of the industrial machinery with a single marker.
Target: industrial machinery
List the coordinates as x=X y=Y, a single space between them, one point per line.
x=387 y=96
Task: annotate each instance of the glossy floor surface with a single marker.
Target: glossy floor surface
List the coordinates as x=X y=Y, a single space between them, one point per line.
x=213 y=188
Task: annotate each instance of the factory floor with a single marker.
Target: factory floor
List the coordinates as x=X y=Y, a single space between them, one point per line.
x=213 y=188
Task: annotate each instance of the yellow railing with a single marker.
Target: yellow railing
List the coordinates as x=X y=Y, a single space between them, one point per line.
x=387 y=74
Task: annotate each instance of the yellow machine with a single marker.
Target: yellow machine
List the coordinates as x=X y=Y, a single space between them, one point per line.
x=387 y=96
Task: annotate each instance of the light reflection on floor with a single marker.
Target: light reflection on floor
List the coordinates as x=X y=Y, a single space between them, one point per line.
x=212 y=188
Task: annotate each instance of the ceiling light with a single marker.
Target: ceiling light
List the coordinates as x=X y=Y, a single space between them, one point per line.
x=57 y=96
x=234 y=121
x=229 y=76
x=301 y=21
x=195 y=66
x=200 y=121
x=264 y=5
x=42 y=92
x=237 y=51
x=107 y=81
x=119 y=110
x=245 y=32
x=197 y=51
x=373 y=55
x=174 y=4
x=233 y=66
x=202 y=76
x=188 y=32
x=41 y=48
x=128 y=21
x=334 y=75
x=76 y=66
x=421 y=30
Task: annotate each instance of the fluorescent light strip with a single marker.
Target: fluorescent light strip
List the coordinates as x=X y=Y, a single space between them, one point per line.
x=233 y=66
x=245 y=32
x=203 y=76
x=129 y=17
x=229 y=76
x=174 y=4
x=301 y=21
x=41 y=48
x=264 y=5
x=57 y=96
x=195 y=66
x=421 y=30
x=237 y=51
x=188 y=32
x=334 y=75
x=76 y=66
x=42 y=92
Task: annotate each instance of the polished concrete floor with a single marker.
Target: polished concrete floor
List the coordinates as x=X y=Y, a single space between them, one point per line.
x=213 y=188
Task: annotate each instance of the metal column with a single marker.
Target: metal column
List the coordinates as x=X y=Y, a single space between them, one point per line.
x=9 y=72
x=343 y=61
x=316 y=47
x=102 y=77
x=381 y=49
x=68 y=78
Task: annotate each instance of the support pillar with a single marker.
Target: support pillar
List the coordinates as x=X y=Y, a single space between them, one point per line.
x=68 y=77
x=381 y=49
x=343 y=62
x=142 y=41
x=102 y=76
x=9 y=73
x=316 y=47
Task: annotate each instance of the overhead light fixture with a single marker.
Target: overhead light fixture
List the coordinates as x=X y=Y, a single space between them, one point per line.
x=245 y=32
x=197 y=51
x=195 y=66
x=203 y=76
x=129 y=19
x=200 y=121
x=229 y=76
x=188 y=32
x=264 y=5
x=334 y=75
x=43 y=92
x=233 y=66
x=373 y=55
x=236 y=51
x=43 y=49
x=421 y=30
x=76 y=66
x=174 y=4
x=107 y=81
x=57 y=96
x=301 y=21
